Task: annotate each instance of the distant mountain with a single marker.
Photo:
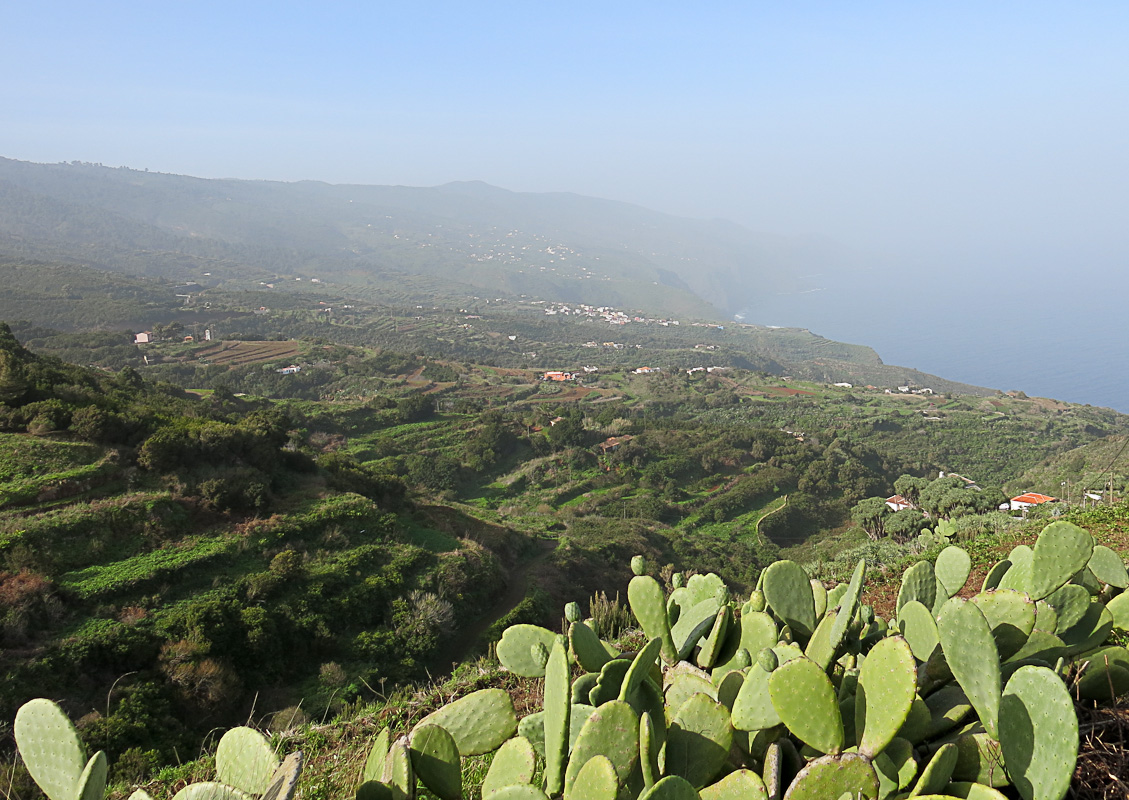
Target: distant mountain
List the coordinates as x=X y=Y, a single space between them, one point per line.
x=457 y=239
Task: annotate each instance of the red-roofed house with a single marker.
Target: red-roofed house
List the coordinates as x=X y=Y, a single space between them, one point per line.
x=1030 y=499
x=897 y=503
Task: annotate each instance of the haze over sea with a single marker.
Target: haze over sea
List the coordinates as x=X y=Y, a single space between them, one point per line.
x=1061 y=337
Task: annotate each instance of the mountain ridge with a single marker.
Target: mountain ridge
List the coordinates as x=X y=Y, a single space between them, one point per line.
x=310 y=226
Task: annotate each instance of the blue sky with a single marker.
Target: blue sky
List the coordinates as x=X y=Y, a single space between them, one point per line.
x=876 y=123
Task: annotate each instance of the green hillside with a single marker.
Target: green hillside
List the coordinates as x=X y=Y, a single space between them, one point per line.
x=463 y=237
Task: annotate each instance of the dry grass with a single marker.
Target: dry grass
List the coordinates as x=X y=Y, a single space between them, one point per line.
x=1103 y=764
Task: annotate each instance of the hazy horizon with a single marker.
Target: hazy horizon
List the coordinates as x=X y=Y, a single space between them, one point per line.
x=941 y=146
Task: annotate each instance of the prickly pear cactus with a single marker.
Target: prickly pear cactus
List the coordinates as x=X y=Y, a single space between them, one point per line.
x=479 y=722
x=50 y=748
x=245 y=760
x=1038 y=733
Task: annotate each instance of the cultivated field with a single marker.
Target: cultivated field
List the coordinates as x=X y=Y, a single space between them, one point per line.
x=234 y=354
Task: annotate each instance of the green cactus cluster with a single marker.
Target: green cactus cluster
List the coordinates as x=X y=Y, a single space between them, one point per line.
x=247 y=768
x=800 y=692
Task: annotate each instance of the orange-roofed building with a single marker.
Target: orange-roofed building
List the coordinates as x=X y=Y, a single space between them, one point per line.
x=1030 y=499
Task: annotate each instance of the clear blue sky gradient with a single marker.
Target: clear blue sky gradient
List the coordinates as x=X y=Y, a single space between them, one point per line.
x=976 y=142
x=878 y=123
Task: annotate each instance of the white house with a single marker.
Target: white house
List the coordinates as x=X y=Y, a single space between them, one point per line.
x=145 y=337
x=897 y=503
x=1030 y=499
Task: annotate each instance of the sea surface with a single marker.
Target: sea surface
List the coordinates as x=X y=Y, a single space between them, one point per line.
x=1065 y=338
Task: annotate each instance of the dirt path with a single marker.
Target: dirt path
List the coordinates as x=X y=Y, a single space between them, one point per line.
x=463 y=645
x=757 y=527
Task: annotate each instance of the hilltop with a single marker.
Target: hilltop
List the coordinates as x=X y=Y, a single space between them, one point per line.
x=417 y=243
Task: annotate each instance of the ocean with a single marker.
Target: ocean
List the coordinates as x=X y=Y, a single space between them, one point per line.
x=1064 y=338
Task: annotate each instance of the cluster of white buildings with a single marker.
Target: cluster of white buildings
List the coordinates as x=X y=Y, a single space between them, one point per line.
x=610 y=315
x=612 y=345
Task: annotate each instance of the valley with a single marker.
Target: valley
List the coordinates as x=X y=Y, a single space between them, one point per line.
x=295 y=468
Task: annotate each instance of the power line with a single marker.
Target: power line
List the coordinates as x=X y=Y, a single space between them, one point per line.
x=1113 y=461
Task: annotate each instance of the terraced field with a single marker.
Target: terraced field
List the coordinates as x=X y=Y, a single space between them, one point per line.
x=238 y=353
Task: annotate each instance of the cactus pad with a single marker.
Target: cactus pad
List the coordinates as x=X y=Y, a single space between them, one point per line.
x=693 y=623
x=937 y=772
x=522 y=791
x=1061 y=550
x=640 y=668
x=596 y=780
x=833 y=776
x=612 y=731
x=713 y=644
x=609 y=682
x=210 y=791
x=478 y=722
x=652 y=737
x=919 y=628
x=671 y=787
x=698 y=740
x=995 y=575
x=952 y=569
x=804 y=697
x=919 y=583
x=1090 y=631
x=398 y=769
x=558 y=709
x=91 y=784
x=971 y=653
x=586 y=647
x=435 y=759
x=820 y=649
x=50 y=748
x=886 y=689
x=742 y=784
x=787 y=589
x=369 y=790
x=947 y=706
x=729 y=688
x=848 y=605
x=245 y=760
x=1106 y=675
x=1010 y=615
x=374 y=766
x=513 y=764
x=1070 y=603
x=645 y=597
x=753 y=709
x=1038 y=733
x=1018 y=575
x=969 y=791
x=517 y=648
x=819 y=596
x=979 y=759
x=895 y=766
x=1108 y=567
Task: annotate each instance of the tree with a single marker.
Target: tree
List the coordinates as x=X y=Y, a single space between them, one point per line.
x=910 y=487
x=905 y=524
x=933 y=496
x=869 y=514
